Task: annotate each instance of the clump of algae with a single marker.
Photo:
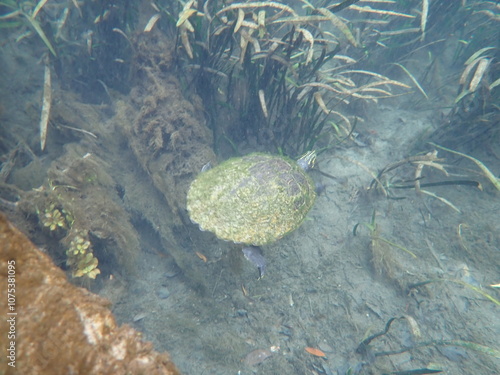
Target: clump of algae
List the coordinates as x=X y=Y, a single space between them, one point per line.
x=80 y=257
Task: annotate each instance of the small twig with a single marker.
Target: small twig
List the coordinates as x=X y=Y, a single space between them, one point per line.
x=217 y=282
x=78 y=130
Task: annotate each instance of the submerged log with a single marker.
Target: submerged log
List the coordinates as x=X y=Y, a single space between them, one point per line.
x=50 y=326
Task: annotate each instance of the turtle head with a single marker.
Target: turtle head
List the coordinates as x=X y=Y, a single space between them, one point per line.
x=308 y=160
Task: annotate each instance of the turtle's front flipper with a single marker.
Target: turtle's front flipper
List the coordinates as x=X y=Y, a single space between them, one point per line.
x=254 y=255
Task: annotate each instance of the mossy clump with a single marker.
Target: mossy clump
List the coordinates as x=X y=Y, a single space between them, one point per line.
x=78 y=217
x=80 y=258
x=79 y=254
x=55 y=218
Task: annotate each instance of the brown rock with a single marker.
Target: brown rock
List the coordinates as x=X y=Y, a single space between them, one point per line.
x=60 y=328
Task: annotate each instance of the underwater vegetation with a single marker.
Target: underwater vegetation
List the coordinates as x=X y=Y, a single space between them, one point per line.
x=135 y=97
x=285 y=76
x=79 y=256
x=71 y=213
x=87 y=46
x=23 y=14
x=276 y=73
x=276 y=76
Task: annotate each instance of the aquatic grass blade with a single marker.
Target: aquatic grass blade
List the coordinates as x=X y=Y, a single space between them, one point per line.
x=34 y=23
x=487 y=173
x=46 y=102
x=414 y=80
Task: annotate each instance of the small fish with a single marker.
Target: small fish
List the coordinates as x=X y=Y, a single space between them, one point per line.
x=254 y=255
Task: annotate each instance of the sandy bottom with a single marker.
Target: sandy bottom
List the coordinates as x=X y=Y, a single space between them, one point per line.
x=415 y=263
x=419 y=261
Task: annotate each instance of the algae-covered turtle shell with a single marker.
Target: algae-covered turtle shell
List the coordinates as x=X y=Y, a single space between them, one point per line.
x=255 y=199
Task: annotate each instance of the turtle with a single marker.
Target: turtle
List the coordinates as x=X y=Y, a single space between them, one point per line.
x=253 y=200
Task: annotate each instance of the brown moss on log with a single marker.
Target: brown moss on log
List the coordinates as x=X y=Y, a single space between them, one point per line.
x=63 y=329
